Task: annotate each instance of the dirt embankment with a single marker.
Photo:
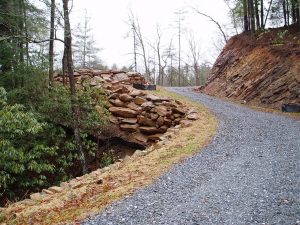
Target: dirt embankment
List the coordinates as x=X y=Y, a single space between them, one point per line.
x=261 y=69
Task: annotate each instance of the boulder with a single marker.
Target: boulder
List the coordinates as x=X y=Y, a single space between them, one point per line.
x=178 y=102
x=160 y=121
x=161 y=110
x=176 y=115
x=149 y=130
x=113 y=119
x=125 y=97
x=134 y=106
x=55 y=189
x=145 y=121
x=117 y=102
x=129 y=127
x=185 y=123
x=155 y=137
x=120 y=77
x=154 y=116
x=147 y=106
x=129 y=120
x=135 y=93
x=192 y=111
x=178 y=110
x=139 y=100
x=113 y=96
x=163 y=128
x=123 y=112
x=153 y=98
x=36 y=196
x=192 y=116
x=167 y=122
x=140 y=137
x=125 y=89
x=117 y=90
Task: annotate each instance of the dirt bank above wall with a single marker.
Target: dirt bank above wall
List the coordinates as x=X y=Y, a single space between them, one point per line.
x=261 y=69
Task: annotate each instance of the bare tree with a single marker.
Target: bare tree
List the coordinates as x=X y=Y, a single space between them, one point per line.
x=262 y=14
x=75 y=109
x=180 y=18
x=135 y=26
x=268 y=11
x=251 y=15
x=233 y=16
x=169 y=53
x=214 y=21
x=245 y=12
x=257 y=14
x=195 y=55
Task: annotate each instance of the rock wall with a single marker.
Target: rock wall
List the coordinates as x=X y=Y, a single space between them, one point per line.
x=147 y=116
x=136 y=116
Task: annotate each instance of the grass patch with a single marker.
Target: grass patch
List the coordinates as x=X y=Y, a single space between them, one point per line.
x=74 y=205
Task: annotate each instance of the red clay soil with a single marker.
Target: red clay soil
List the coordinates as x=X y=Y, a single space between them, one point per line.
x=261 y=69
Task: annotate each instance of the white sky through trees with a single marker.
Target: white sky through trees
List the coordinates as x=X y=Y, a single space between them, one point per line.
x=108 y=21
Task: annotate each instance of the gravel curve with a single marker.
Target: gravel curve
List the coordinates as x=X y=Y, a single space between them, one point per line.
x=249 y=174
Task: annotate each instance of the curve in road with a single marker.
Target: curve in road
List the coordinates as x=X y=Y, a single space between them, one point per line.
x=249 y=174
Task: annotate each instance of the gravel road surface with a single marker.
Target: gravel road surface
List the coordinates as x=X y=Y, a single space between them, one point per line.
x=249 y=174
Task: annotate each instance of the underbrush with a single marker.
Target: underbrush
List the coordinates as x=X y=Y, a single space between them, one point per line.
x=37 y=146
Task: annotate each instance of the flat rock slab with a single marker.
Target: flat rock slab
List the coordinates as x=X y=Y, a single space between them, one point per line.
x=124 y=112
x=249 y=174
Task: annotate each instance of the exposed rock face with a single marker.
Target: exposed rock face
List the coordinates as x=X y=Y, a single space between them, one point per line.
x=254 y=70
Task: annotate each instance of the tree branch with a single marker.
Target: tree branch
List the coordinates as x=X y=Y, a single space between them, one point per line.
x=219 y=26
x=30 y=40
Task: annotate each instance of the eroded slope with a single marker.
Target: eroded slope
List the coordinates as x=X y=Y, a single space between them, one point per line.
x=263 y=69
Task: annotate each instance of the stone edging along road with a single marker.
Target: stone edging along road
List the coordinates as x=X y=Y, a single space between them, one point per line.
x=249 y=174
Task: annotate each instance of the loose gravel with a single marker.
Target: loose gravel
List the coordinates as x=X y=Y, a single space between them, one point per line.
x=249 y=174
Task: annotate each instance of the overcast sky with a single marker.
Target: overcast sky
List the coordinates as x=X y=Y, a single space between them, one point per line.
x=110 y=30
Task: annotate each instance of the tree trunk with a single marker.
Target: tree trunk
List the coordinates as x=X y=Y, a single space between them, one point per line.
x=160 y=82
x=64 y=66
x=262 y=14
x=171 y=72
x=245 y=10
x=75 y=109
x=251 y=15
x=179 y=54
x=293 y=12
x=51 y=43
x=21 y=30
x=84 y=64
x=26 y=34
x=284 y=12
x=257 y=15
x=288 y=12
x=298 y=14
x=197 y=74
x=135 y=51
x=268 y=13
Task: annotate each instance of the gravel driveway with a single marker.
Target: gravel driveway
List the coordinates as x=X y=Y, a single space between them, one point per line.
x=249 y=174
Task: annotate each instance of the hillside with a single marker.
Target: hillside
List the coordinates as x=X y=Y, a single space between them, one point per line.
x=261 y=69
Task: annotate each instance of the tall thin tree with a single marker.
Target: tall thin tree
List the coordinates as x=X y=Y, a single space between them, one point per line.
x=245 y=12
x=257 y=14
x=51 y=43
x=262 y=14
x=75 y=109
